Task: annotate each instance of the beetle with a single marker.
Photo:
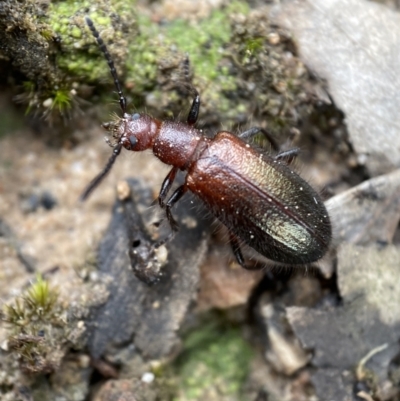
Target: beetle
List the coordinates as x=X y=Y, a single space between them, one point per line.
x=257 y=196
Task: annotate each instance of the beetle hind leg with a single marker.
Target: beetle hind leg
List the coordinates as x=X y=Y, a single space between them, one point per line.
x=236 y=249
x=235 y=245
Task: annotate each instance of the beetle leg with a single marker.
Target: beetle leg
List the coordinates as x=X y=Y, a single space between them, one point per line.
x=288 y=155
x=194 y=109
x=255 y=130
x=179 y=192
x=235 y=245
x=166 y=186
x=236 y=249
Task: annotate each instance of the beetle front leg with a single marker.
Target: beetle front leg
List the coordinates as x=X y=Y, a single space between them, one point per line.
x=194 y=110
x=166 y=186
x=179 y=192
x=195 y=107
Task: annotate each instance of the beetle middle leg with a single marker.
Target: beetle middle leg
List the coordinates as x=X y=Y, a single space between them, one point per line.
x=256 y=130
x=178 y=193
x=287 y=155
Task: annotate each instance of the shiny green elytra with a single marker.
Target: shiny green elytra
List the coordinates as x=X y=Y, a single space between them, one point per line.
x=257 y=197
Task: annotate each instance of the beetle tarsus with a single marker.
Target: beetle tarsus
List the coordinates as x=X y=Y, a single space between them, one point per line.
x=288 y=155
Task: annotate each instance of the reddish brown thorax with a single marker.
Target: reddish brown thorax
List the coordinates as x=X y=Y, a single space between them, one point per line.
x=173 y=142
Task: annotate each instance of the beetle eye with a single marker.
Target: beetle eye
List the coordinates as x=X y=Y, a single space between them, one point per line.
x=133 y=141
x=135 y=116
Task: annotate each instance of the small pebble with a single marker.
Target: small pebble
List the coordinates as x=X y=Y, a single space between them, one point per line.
x=148 y=377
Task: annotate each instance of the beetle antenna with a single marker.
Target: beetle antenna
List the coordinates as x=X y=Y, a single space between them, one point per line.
x=97 y=180
x=103 y=48
x=122 y=102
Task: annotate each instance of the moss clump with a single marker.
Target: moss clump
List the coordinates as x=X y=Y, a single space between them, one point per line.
x=206 y=40
x=270 y=77
x=115 y=22
x=156 y=61
x=245 y=69
x=47 y=45
x=37 y=328
x=214 y=364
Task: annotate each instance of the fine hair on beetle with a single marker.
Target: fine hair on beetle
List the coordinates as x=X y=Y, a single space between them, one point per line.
x=257 y=196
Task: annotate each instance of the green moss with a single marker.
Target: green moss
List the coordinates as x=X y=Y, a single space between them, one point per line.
x=239 y=71
x=67 y=20
x=155 y=59
x=216 y=358
x=47 y=34
x=144 y=61
x=76 y=33
x=204 y=41
x=62 y=53
x=254 y=45
x=37 y=304
x=36 y=326
x=61 y=101
x=141 y=63
x=40 y=297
